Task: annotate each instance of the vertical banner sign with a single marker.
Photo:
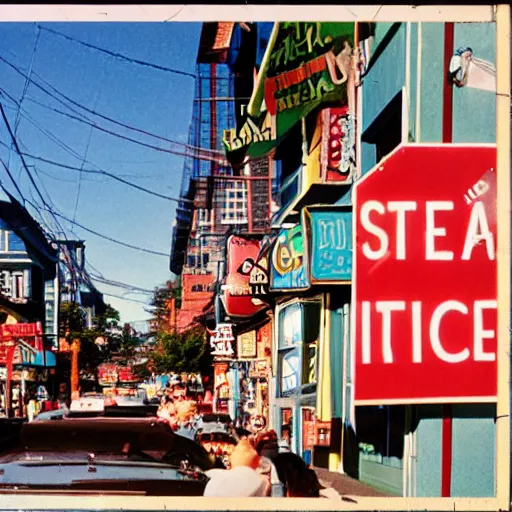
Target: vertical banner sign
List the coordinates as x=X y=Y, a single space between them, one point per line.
x=425 y=276
x=338 y=144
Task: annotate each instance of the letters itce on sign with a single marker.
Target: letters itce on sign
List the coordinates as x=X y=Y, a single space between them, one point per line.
x=425 y=278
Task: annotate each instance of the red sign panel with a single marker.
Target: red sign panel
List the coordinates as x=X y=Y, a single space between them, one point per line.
x=242 y=256
x=21 y=330
x=425 y=277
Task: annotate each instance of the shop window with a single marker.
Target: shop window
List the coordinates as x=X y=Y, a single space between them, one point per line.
x=299 y=331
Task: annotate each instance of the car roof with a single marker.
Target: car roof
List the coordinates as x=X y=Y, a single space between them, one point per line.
x=101 y=434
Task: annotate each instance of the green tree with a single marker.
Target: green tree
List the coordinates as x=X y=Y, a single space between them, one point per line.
x=182 y=352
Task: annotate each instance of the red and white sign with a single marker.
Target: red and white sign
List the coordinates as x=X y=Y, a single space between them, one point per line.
x=425 y=308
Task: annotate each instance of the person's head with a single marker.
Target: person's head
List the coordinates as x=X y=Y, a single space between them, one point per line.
x=286 y=432
x=266 y=442
x=298 y=480
x=244 y=454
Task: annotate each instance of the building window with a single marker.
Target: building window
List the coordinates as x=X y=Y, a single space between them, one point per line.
x=203 y=218
x=299 y=332
x=14 y=284
x=234 y=209
x=11 y=242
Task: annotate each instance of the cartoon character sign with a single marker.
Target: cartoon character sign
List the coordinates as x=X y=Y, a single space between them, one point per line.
x=242 y=255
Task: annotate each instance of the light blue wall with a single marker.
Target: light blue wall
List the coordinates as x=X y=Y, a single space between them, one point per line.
x=432 y=76
x=474 y=111
x=386 y=77
x=473 y=450
x=474 y=118
x=383 y=82
x=428 y=448
x=413 y=81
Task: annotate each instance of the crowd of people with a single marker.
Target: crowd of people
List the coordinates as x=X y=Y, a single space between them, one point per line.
x=260 y=464
x=260 y=468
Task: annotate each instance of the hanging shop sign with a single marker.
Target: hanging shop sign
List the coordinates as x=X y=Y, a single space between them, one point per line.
x=287 y=266
x=258 y=369
x=259 y=276
x=338 y=152
x=329 y=247
x=246 y=343
x=221 y=341
x=264 y=341
x=307 y=64
x=237 y=299
x=425 y=332
x=221 y=381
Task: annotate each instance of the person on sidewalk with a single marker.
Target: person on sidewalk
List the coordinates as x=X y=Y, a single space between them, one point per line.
x=242 y=480
x=268 y=449
x=299 y=481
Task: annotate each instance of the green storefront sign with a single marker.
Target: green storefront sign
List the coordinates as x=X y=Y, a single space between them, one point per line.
x=306 y=64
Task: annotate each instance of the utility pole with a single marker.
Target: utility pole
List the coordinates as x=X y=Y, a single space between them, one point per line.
x=75 y=350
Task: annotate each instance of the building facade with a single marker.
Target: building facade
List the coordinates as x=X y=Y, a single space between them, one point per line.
x=28 y=306
x=320 y=105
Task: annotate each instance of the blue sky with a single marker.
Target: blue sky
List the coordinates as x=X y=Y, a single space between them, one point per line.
x=149 y=99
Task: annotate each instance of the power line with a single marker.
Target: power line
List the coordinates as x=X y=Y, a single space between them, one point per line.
x=110 y=239
x=6 y=121
x=118 y=55
x=27 y=81
x=105 y=173
x=198 y=151
x=114 y=121
x=127 y=299
x=84 y=159
x=13 y=180
x=118 y=284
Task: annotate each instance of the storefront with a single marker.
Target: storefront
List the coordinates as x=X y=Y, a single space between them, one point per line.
x=298 y=335
x=26 y=370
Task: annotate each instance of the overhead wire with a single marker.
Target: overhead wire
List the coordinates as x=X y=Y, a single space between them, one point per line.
x=118 y=55
x=27 y=80
x=198 y=151
x=106 y=237
x=108 y=174
x=85 y=156
x=7 y=170
x=127 y=299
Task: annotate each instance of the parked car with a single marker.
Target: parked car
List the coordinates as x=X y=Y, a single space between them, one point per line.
x=95 y=455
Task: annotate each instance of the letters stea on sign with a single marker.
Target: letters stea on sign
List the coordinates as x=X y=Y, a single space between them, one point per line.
x=477 y=232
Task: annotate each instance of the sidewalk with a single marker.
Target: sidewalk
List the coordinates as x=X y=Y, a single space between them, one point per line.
x=345 y=485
